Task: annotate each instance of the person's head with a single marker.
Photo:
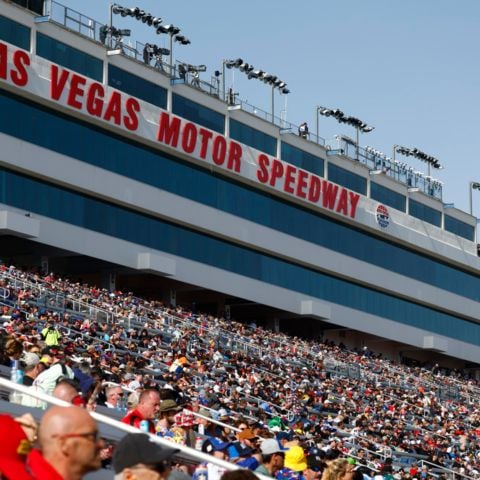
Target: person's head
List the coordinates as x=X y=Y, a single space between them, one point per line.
x=68 y=439
x=31 y=364
x=240 y=474
x=273 y=456
x=68 y=390
x=295 y=459
x=149 y=404
x=315 y=467
x=138 y=457
x=168 y=410
x=113 y=394
x=248 y=437
x=217 y=448
x=13 y=348
x=339 y=469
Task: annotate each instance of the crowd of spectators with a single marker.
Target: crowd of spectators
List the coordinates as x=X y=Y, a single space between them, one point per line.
x=285 y=406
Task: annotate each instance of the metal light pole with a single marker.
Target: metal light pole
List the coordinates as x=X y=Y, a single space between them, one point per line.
x=273 y=104
x=473 y=186
x=357 y=141
x=223 y=79
x=394 y=152
x=317 y=131
x=110 y=24
x=171 y=54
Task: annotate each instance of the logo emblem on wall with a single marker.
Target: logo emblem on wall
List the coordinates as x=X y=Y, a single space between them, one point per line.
x=383 y=217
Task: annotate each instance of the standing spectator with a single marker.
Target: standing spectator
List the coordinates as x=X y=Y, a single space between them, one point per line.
x=50 y=334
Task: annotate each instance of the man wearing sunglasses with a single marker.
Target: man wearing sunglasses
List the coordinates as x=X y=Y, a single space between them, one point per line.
x=138 y=457
x=69 y=445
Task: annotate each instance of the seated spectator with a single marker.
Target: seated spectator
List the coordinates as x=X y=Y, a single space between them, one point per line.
x=69 y=446
x=137 y=457
x=295 y=463
x=168 y=411
x=208 y=470
x=114 y=395
x=67 y=390
x=315 y=467
x=31 y=367
x=16 y=445
x=273 y=457
x=339 y=469
x=147 y=409
x=240 y=474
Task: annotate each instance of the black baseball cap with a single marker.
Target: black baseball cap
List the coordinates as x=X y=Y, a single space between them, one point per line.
x=136 y=448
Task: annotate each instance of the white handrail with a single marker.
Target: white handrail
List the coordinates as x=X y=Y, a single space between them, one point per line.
x=190 y=452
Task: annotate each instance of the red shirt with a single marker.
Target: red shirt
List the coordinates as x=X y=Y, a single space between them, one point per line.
x=39 y=468
x=135 y=417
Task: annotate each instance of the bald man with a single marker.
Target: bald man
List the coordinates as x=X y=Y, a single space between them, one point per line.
x=65 y=390
x=69 y=445
x=147 y=409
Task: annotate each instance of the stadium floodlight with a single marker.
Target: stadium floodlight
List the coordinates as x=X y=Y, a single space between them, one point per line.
x=416 y=153
x=234 y=63
x=182 y=40
x=359 y=125
x=170 y=29
x=251 y=73
x=173 y=32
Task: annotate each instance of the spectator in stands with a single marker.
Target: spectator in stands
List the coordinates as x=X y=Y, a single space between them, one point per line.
x=16 y=445
x=315 y=467
x=13 y=350
x=47 y=380
x=295 y=463
x=248 y=438
x=114 y=395
x=147 y=409
x=137 y=457
x=273 y=457
x=67 y=390
x=50 y=334
x=69 y=446
x=182 y=430
x=168 y=411
x=31 y=367
x=240 y=474
x=339 y=469
x=208 y=470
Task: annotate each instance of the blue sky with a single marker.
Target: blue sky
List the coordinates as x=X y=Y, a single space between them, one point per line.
x=410 y=68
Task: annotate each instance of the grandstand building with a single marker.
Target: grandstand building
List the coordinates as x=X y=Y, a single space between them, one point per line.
x=134 y=176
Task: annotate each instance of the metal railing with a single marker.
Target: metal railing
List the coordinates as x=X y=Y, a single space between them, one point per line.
x=196 y=455
x=397 y=170
x=73 y=20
